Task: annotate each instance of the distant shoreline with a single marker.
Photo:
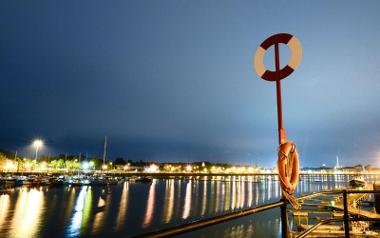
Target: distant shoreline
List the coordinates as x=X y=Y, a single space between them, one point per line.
x=169 y=175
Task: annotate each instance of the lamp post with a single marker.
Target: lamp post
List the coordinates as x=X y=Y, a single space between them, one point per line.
x=37 y=144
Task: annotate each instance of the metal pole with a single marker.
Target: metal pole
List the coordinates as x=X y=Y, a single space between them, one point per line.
x=345 y=216
x=284 y=219
x=284 y=215
x=37 y=147
x=281 y=131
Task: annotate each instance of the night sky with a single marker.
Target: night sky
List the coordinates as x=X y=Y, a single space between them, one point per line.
x=173 y=80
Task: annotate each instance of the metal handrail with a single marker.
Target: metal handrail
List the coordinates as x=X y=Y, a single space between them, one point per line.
x=210 y=221
x=222 y=218
x=172 y=231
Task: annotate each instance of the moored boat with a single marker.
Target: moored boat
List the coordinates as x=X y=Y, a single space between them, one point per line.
x=144 y=179
x=78 y=181
x=357 y=181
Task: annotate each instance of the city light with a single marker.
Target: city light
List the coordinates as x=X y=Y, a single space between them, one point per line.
x=9 y=165
x=152 y=168
x=43 y=166
x=37 y=143
x=85 y=165
x=189 y=168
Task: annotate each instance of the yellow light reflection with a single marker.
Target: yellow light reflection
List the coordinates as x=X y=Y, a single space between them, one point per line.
x=123 y=207
x=257 y=194
x=204 y=198
x=150 y=205
x=233 y=200
x=186 y=207
x=169 y=200
x=228 y=197
x=269 y=190
x=277 y=189
x=4 y=207
x=250 y=192
x=223 y=200
x=242 y=194
x=28 y=211
x=70 y=203
x=217 y=194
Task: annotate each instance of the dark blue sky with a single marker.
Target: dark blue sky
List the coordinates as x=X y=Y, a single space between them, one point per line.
x=173 y=80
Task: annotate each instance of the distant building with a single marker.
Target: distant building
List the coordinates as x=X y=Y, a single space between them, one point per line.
x=337 y=165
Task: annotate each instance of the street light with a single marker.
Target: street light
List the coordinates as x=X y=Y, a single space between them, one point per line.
x=37 y=144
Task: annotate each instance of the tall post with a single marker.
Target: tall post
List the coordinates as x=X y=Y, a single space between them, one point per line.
x=281 y=136
x=284 y=220
x=281 y=130
x=345 y=215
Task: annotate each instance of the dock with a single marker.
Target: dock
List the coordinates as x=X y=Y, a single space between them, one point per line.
x=353 y=201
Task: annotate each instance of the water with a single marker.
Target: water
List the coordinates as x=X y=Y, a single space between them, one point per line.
x=130 y=209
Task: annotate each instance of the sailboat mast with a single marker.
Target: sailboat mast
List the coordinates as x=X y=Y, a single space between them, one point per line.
x=80 y=157
x=105 y=150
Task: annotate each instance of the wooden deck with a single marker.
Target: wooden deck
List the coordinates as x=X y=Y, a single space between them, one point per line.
x=353 y=200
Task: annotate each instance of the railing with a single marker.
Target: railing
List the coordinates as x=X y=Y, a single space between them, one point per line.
x=284 y=224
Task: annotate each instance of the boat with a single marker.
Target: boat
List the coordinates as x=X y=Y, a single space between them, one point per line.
x=98 y=181
x=78 y=181
x=24 y=180
x=57 y=182
x=357 y=181
x=144 y=179
x=9 y=180
x=42 y=180
x=112 y=181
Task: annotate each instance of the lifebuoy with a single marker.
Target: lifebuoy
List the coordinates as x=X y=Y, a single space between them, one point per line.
x=288 y=166
x=295 y=58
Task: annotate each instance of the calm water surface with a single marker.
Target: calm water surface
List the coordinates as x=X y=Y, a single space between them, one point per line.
x=130 y=209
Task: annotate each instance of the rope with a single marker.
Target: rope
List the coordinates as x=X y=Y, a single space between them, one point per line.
x=291 y=199
x=285 y=194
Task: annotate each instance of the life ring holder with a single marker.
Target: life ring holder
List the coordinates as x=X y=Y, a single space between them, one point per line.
x=295 y=59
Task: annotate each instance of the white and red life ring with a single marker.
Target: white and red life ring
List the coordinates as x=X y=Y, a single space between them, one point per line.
x=295 y=59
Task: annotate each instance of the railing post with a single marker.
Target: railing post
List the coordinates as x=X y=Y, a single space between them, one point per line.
x=284 y=220
x=345 y=216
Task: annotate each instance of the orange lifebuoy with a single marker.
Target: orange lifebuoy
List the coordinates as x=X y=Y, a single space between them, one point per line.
x=288 y=166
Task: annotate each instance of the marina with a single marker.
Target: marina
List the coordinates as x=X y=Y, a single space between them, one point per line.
x=189 y=119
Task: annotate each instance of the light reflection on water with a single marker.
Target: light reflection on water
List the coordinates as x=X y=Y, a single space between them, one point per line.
x=4 y=208
x=186 y=207
x=123 y=207
x=82 y=210
x=169 y=200
x=28 y=211
x=134 y=208
x=150 y=205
